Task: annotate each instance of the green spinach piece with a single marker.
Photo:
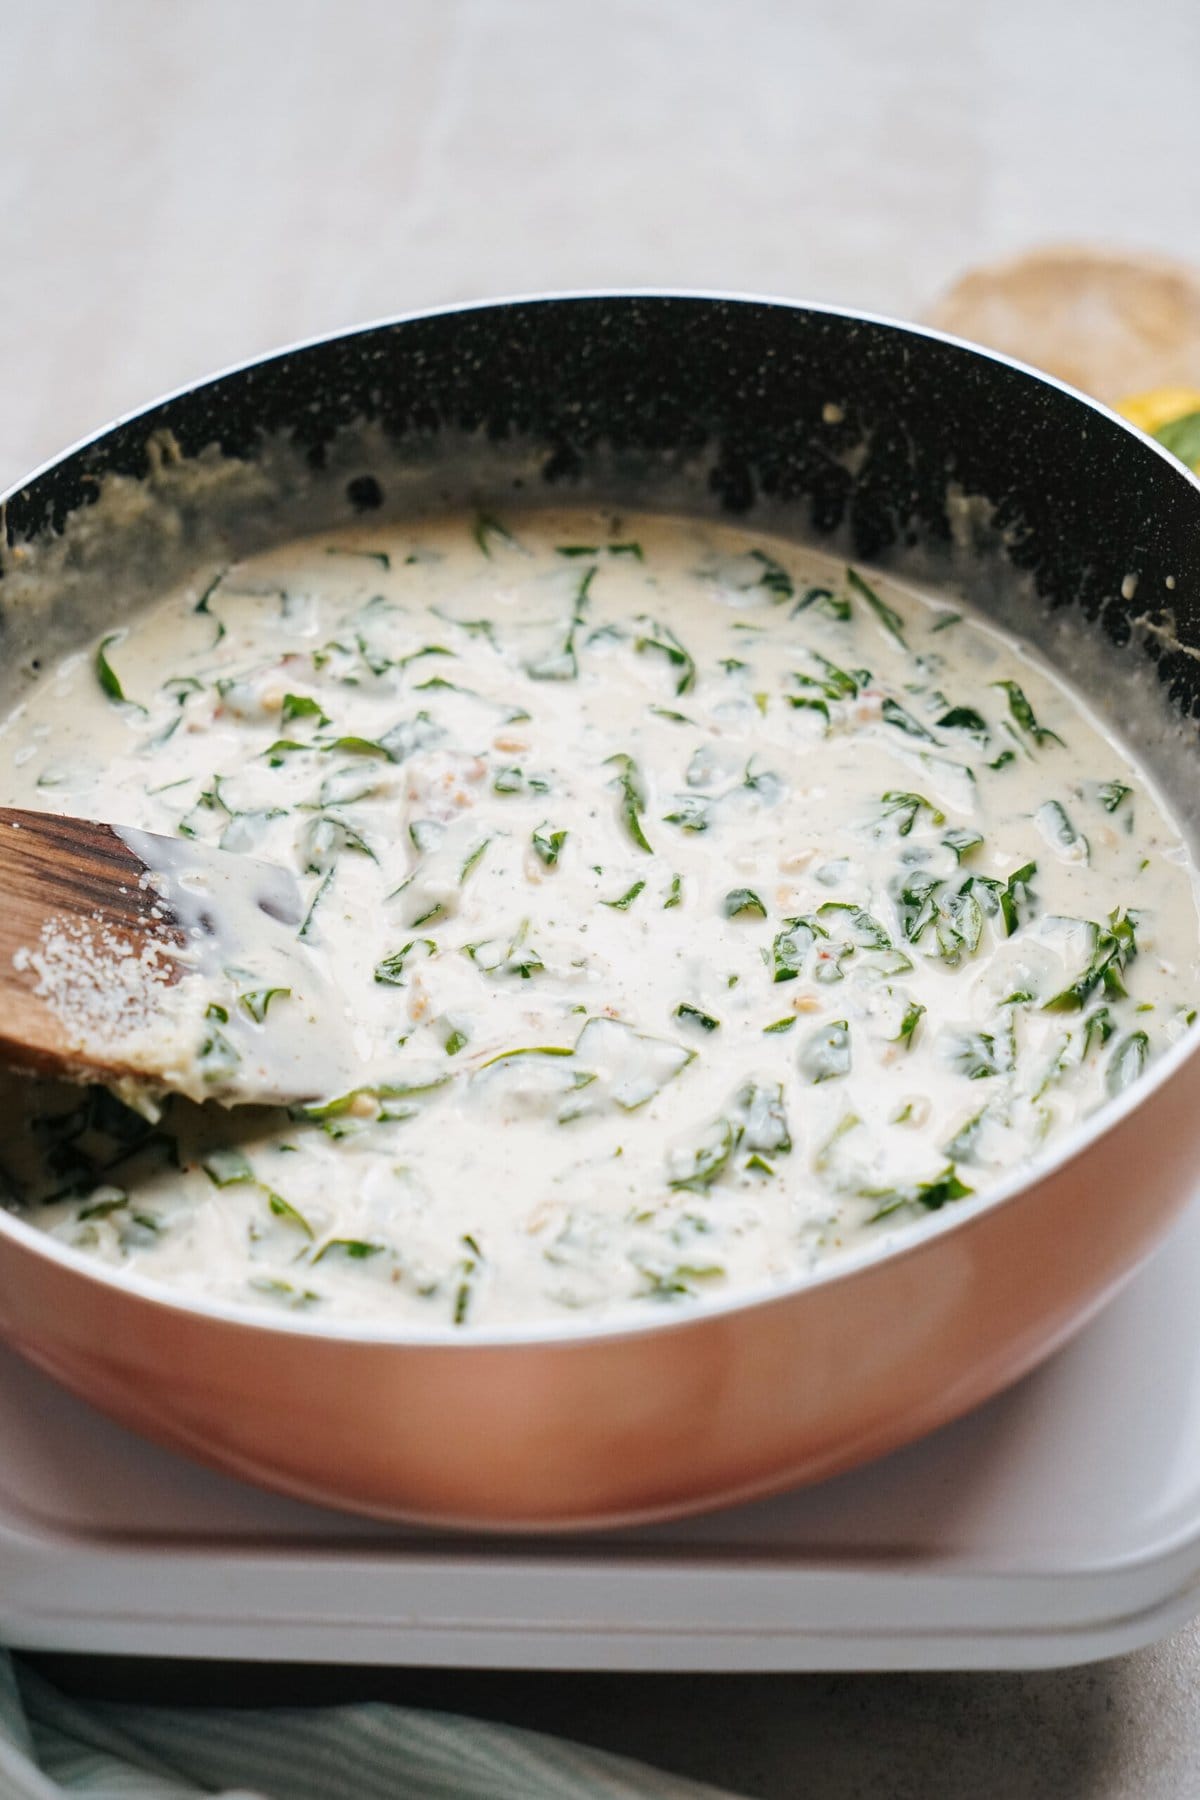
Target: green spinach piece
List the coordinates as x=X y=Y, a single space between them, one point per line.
x=1022 y=712
x=826 y=1054
x=888 y=617
x=633 y=797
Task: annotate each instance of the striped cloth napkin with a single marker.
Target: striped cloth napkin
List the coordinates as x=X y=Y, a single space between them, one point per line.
x=51 y=1746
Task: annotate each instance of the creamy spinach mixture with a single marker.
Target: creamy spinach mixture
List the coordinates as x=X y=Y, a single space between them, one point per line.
x=698 y=907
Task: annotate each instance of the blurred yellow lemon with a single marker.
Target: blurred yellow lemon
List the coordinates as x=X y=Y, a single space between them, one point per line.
x=1170 y=414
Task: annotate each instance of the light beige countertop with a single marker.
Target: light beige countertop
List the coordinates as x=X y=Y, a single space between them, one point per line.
x=186 y=186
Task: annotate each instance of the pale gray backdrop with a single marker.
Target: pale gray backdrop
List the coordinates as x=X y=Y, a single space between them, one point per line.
x=184 y=183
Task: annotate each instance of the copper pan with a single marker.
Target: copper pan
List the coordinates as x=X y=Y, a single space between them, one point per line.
x=903 y=446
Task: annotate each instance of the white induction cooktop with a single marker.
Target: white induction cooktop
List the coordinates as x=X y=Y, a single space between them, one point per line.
x=1059 y=1523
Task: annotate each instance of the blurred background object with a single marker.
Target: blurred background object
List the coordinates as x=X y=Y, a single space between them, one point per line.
x=1111 y=324
x=1172 y=415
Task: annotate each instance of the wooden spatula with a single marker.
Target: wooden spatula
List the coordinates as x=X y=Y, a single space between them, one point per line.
x=131 y=958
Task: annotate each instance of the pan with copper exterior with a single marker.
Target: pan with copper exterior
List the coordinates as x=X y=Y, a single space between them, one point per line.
x=895 y=444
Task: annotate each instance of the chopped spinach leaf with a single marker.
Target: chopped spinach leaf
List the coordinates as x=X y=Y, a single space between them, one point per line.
x=357 y=1249
x=1127 y=1061
x=490 y=534
x=1056 y=827
x=791 y=946
x=468 y=1270
x=895 y=714
x=904 y=808
x=386 y=1091
x=1004 y=898
x=227 y=1167
x=627 y=549
x=743 y=902
x=965 y=718
x=1113 y=948
x=516 y=956
x=710 y=1159
x=1098 y=1027
x=104 y=1202
x=204 y=604
x=808 y=703
x=663 y=639
x=278 y=752
x=633 y=797
x=472 y=860
x=107 y=676
x=627 y=899
x=530 y=1050
x=980 y=1054
x=826 y=1054
x=217 y=1059
x=283 y=1209
x=1023 y=713
x=403 y=662
x=908 y=1024
x=861 y=927
x=686 y=1011
x=774 y=577
x=548 y=844
x=962 y=841
x=834 y=683
x=834 y=606
x=563 y=664
x=964 y=1145
x=302 y=706
x=891 y=621
x=932 y=1195
x=257 y=1001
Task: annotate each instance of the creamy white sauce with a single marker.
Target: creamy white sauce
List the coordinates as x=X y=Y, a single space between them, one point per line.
x=677 y=883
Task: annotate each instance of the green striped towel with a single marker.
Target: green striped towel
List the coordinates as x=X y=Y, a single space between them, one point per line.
x=51 y=1746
